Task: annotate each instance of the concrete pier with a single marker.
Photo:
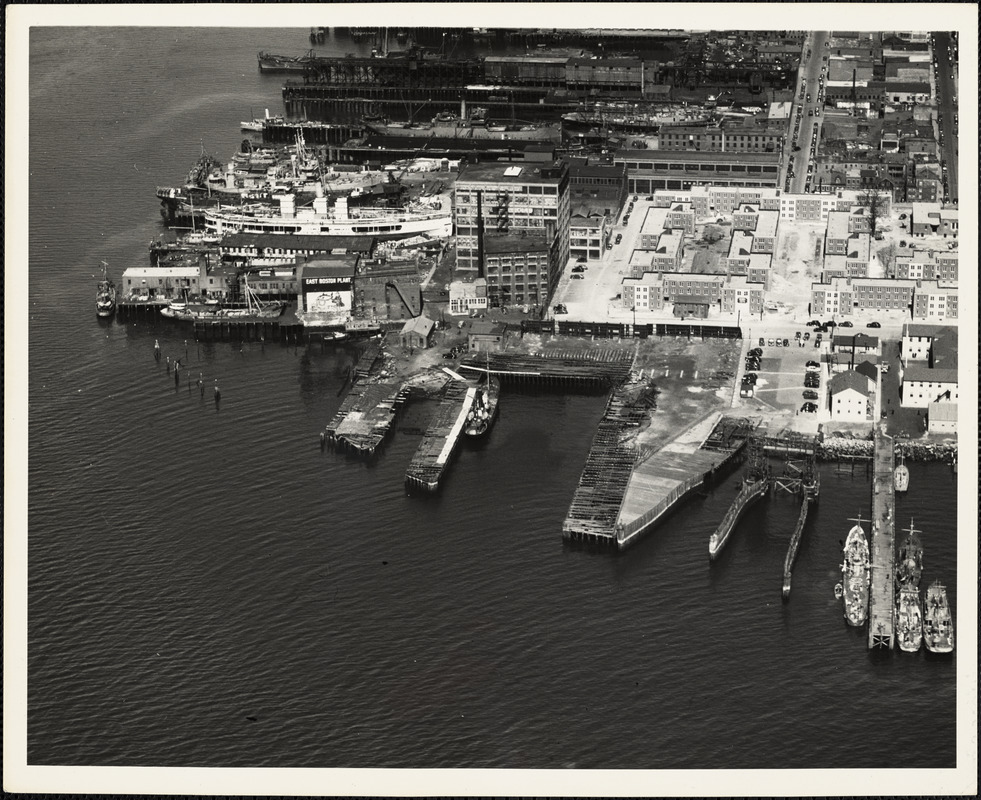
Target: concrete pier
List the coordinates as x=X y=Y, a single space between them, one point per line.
x=882 y=592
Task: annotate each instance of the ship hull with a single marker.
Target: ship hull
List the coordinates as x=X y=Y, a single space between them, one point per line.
x=856 y=577
x=909 y=620
x=938 y=626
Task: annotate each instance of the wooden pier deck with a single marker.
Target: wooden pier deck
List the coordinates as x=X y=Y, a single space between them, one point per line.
x=441 y=437
x=882 y=593
x=595 y=369
x=365 y=417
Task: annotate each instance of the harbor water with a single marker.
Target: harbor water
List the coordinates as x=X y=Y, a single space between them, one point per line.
x=207 y=587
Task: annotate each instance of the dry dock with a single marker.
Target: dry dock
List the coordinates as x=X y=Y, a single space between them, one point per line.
x=441 y=437
x=882 y=594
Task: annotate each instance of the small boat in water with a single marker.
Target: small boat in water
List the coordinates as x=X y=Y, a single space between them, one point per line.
x=856 y=575
x=901 y=475
x=484 y=408
x=105 y=294
x=938 y=625
x=909 y=565
x=909 y=619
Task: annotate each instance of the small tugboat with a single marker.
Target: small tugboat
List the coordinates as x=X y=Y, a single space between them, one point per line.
x=484 y=409
x=909 y=565
x=909 y=619
x=938 y=626
x=105 y=294
x=856 y=575
x=901 y=476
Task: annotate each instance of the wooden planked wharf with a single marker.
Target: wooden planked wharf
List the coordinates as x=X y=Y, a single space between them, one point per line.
x=441 y=437
x=365 y=417
x=882 y=591
x=623 y=492
x=588 y=369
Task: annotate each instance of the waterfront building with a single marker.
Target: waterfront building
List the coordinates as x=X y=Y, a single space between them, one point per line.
x=326 y=287
x=417 y=333
x=466 y=296
x=265 y=249
x=650 y=171
x=942 y=417
x=164 y=282
x=848 y=393
x=506 y=199
x=487 y=336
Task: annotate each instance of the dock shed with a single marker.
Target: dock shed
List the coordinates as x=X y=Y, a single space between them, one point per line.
x=487 y=336
x=417 y=332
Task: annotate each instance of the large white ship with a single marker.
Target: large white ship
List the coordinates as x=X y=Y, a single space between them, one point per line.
x=320 y=219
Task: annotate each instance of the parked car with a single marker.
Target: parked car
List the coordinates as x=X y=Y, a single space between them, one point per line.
x=579 y=269
x=845 y=324
x=809 y=408
x=619 y=238
x=578 y=277
x=762 y=341
x=830 y=323
x=813 y=322
x=813 y=364
x=810 y=394
x=873 y=325
x=807 y=335
x=750 y=377
x=757 y=351
x=797 y=335
x=769 y=342
x=786 y=342
x=560 y=309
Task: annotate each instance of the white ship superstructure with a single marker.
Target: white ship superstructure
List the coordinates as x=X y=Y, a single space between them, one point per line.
x=319 y=219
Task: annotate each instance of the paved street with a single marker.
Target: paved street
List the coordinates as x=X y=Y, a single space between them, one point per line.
x=946 y=83
x=808 y=84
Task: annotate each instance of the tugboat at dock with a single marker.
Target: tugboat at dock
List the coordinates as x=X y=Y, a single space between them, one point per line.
x=105 y=295
x=484 y=409
x=856 y=575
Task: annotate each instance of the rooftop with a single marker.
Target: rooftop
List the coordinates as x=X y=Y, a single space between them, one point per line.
x=850 y=379
x=518 y=173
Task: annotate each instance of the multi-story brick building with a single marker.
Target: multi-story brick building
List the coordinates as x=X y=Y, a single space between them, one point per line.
x=844 y=297
x=727 y=294
x=521 y=267
x=669 y=251
x=503 y=198
x=927 y=265
x=815 y=207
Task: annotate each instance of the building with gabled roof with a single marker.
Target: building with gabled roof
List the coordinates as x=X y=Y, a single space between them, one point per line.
x=848 y=394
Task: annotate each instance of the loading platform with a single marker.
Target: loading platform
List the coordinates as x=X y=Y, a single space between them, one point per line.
x=441 y=437
x=882 y=591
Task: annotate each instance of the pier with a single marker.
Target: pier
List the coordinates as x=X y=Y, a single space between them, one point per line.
x=365 y=417
x=597 y=370
x=882 y=592
x=441 y=437
x=624 y=492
